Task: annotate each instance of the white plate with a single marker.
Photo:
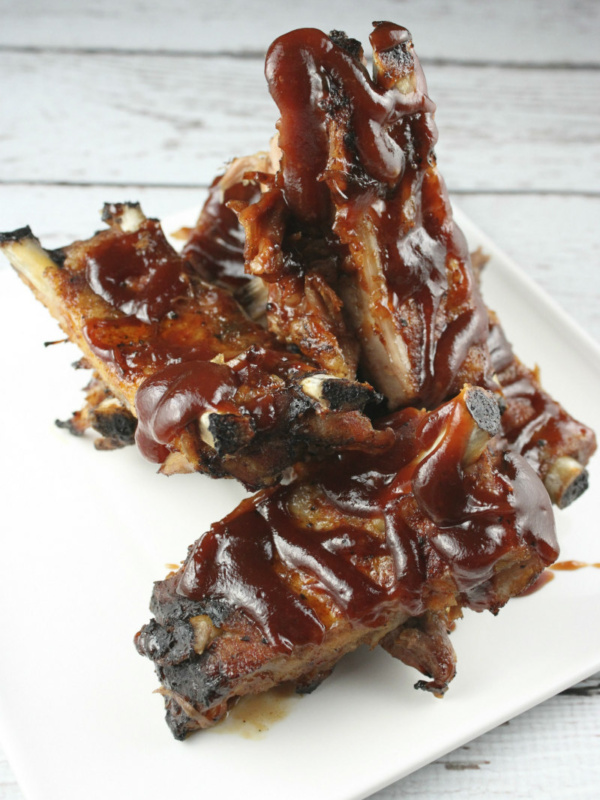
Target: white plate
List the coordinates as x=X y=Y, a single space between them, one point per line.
x=84 y=535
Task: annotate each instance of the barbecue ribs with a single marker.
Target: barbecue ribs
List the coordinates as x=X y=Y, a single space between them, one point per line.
x=353 y=235
x=212 y=391
x=341 y=248
x=387 y=258
x=371 y=549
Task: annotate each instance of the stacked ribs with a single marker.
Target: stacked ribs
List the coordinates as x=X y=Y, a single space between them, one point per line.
x=323 y=327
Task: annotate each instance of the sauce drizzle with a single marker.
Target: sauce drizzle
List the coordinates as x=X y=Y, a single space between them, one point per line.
x=413 y=488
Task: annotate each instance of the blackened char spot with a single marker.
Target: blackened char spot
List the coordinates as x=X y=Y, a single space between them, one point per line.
x=230 y=432
x=351 y=46
x=169 y=607
x=117 y=424
x=342 y=395
x=190 y=679
x=58 y=256
x=166 y=646
x=16 y=235
x=575 y=489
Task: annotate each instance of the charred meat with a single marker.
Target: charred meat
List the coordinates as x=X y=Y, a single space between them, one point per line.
x=534 y=424
x=211 y=390
x=366 y=549
x=354 y=235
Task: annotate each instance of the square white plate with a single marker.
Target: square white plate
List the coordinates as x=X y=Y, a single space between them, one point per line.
x=84 y=535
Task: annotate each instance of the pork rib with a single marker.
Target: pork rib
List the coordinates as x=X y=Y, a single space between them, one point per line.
x=535 y=425
x=362 y=550
x=212 y=390
x=354 y=233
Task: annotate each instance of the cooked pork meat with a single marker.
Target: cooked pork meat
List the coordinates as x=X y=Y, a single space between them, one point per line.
x=105 y=414
x=354 y=233
x=371 y=549
x=383 y=250
x=212 y=391
x=215 y=245
x=341 y=246
x=535 y=425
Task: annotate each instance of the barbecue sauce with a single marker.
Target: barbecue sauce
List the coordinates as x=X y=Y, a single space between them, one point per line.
x=164 y=319
x=358 y=156
x=169 y=400
x=215 y=247
x=534 y=424
x=436 y=511
x=167 y=335
x=138 y=273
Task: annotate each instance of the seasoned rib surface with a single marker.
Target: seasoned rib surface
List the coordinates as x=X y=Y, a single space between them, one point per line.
x=212 y=390
x=365 y=549
x=534 y=424
x=354 y=233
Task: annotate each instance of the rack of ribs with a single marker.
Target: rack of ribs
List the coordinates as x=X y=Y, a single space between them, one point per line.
x=179 y=364
x=362 y=269
x=364 y=549
x=353 y=236
x=383 y=247
x=341 y=247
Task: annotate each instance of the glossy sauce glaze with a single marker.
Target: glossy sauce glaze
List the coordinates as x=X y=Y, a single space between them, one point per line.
x=169 y=329
x=358 y=156
x=534 y=424
x=254 y=386
x=215 y=246
x=438 y=516
x=162 y=314
x=137 y=273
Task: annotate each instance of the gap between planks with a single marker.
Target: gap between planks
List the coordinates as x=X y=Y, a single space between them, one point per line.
x=246 y=55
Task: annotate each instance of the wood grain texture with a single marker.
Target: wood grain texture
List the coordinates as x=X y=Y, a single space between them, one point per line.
x=555 y=239
x=551 y=751
x=166 y=120
x=513 y=31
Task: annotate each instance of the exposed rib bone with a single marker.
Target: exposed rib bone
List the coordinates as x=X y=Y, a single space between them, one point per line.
x=127 y=216
x=253 y=296
x=336 y=393
x=367 y=302
x=484 y=409
x=225 y=432
x=566 y=481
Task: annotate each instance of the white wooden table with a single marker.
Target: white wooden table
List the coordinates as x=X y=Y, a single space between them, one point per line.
x=110 y=101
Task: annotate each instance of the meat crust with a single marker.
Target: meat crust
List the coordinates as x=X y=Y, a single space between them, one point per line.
x=535 y=425
x=365 y=550
x=212 y=390
x=354 y=236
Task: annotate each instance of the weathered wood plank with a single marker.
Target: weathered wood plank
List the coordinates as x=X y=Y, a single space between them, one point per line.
x=512 y=31
x=167 y=120
x=555 y=239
